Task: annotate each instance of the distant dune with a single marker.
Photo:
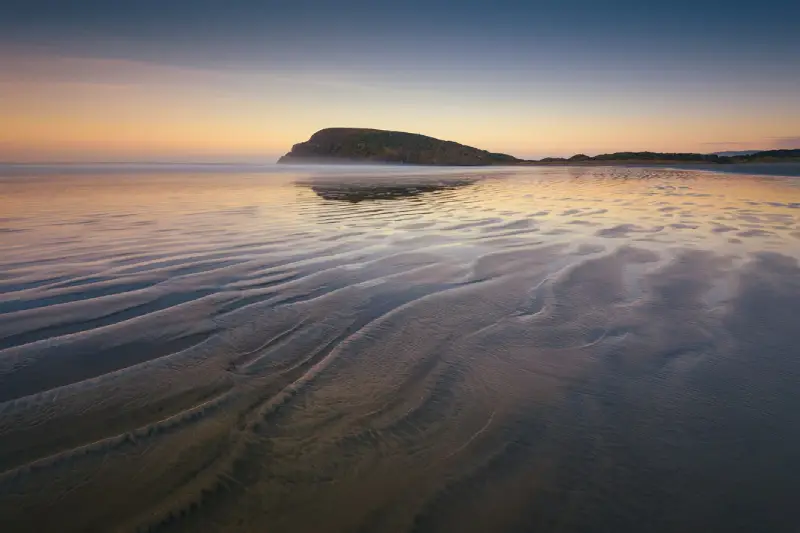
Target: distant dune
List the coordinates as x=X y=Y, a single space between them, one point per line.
x=661 y=158
x=738 y=152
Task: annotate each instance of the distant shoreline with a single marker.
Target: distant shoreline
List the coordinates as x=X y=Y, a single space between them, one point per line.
x=783 y=169
x=658 y=163
x=649 y=163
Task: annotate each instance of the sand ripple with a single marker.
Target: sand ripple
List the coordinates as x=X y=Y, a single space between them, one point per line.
x=572 y=349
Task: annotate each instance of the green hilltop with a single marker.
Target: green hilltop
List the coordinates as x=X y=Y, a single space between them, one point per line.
x=342 y=145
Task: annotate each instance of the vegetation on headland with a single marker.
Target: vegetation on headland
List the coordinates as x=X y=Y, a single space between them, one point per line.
x=352 y=145
x=364 y=145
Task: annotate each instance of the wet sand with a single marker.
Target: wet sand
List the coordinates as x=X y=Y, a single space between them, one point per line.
x=572 y=349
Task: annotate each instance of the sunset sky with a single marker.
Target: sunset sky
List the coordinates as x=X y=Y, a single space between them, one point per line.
x=242 y=81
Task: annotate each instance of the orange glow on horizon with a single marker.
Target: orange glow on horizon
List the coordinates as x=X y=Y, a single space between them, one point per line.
x=76 y=109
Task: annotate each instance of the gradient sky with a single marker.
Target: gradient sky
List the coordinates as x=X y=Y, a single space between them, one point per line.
x=238 y=80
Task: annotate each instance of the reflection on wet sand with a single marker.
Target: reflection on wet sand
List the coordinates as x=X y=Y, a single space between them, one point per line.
x=398 y=188
x=592 y=349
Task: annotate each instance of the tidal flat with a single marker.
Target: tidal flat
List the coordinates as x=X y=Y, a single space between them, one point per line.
x=399 y=349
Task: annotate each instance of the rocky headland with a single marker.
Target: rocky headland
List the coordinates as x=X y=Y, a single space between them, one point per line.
x=366 y=145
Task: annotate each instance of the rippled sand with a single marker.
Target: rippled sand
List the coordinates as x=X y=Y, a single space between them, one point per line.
x=359 y=350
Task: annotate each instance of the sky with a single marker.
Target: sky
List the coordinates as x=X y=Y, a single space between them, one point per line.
x=243 y=80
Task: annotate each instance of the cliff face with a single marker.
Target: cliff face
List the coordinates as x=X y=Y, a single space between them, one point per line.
x=343 y=145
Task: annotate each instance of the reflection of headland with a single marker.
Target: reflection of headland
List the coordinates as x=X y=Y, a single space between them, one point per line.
x=359 y=192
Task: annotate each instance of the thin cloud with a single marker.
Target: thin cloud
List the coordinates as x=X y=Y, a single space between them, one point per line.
x=770 y=143
x=785 y=142
x=35 y=67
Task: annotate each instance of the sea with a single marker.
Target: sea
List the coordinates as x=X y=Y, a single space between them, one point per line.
x=241 y=349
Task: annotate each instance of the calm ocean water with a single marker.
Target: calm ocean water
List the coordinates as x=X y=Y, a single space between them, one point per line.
x=368 y=349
